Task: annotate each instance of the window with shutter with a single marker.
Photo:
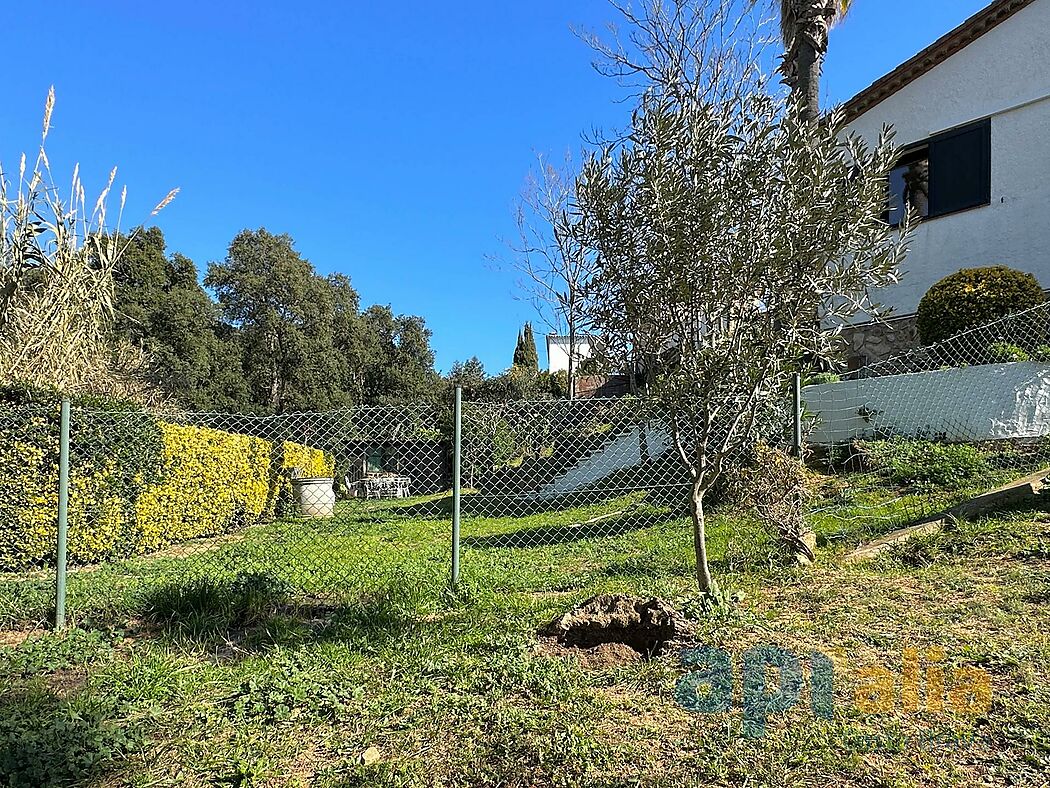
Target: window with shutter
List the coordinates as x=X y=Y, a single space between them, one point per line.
x=910 y=186
x=961 y=169
x=949 y=172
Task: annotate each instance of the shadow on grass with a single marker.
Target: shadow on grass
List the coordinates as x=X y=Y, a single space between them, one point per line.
x=648 y=567
x=49 y=740
x=564 y=534
x=499 y=505
x=479 y=504
x=258 y=611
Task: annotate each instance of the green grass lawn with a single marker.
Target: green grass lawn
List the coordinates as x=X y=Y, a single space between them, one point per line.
x=283 y=655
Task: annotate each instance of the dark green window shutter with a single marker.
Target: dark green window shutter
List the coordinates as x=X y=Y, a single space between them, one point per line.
x=961 y=169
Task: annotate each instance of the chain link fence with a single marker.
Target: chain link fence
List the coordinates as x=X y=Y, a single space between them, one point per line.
x=593 y=485
x=29 y=459
x=913 y=435
x=343 y=508
x=180 y=515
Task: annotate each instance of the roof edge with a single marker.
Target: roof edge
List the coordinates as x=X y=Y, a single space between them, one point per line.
x=935 y=54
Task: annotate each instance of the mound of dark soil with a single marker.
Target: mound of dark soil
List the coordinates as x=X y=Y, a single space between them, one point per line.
x=647 y=626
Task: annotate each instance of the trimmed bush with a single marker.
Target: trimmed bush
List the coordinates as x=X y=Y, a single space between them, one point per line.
x=214 y=482
x=973 y=297
x=211 y=482
x=306 y=461
x=136 y=484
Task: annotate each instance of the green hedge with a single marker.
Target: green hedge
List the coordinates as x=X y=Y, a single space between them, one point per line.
x=136 y=483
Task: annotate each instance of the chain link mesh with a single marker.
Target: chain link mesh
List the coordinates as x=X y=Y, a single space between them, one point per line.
x=353 y=507
x=591 y=485
x=915 y=434
x=610 y=457
x=29 y=450
x=346 y=507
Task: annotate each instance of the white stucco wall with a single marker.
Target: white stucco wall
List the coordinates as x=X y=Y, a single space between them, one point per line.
x=986 y=402
x=558 y=353
x=1005 y=75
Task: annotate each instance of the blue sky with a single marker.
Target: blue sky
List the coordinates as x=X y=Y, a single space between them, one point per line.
x=389 y=139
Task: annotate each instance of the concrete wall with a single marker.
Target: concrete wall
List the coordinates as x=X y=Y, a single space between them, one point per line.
x=623 y=451
x=1004 y=75
x=986 y=402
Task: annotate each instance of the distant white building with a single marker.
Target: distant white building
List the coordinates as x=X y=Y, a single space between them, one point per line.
x=558 y=352
x=973 y=112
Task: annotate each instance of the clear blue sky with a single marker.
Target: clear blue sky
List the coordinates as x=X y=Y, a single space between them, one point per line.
x=389 y=139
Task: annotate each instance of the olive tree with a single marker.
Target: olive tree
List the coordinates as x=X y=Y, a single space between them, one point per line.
x=719 y=228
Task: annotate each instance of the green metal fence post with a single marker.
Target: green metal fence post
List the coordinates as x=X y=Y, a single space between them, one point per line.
x=796 y=413
x=457 y=457
x=63 y=515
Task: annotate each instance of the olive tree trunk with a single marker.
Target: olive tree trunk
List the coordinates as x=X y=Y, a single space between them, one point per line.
x=696 y=510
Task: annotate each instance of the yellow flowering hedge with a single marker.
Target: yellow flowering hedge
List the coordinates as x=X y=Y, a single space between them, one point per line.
x=136 y=484
x=210 y=482
x=28 y=493
x=113 y=458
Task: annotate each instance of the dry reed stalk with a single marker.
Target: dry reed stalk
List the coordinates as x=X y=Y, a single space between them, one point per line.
x=56 y=286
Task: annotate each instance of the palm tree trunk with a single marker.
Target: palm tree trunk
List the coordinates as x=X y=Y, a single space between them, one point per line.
x=807 y=80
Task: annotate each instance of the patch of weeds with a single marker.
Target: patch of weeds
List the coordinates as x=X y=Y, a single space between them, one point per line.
x=920 y=463
x=149 y=678
x=45 y=740
x=49 y=653
x=919 y=551
x=288 y=686
x=512 y=670
x=719 y=606
x=1013 y=535
x=524 y=745
x=205 y=606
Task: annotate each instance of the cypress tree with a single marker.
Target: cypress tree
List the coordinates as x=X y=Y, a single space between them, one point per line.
x=525 y=355
x=519 y=350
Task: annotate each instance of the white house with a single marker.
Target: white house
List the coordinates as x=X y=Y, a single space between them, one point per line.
x=558 y=351
x=973 y=110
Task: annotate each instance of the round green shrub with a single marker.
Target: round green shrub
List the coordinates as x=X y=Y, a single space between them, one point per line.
x=972 y=297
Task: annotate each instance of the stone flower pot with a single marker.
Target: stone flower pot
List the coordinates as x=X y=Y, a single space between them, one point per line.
x=314 y=497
